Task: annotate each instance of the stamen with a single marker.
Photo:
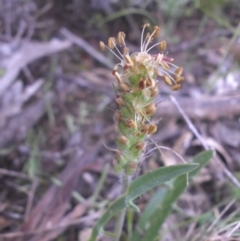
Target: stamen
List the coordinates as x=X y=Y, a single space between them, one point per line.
x=144 y=26
x=150 y=38
x=105 y=46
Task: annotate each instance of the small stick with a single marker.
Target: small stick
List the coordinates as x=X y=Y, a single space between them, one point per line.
x=206 y=147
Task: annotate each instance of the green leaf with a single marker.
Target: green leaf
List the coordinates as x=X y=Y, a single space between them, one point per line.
x=137 y=188
x=156 y=212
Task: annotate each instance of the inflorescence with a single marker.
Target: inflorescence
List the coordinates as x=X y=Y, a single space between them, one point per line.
x=138 y=77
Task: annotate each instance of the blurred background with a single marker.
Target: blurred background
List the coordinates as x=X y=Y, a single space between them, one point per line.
x=57 y=101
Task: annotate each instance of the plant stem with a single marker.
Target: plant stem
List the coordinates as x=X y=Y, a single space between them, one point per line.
x=122 y=213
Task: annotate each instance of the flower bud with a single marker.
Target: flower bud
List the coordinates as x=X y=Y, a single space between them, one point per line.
x=123 y=140
x=119 y=101
x=152 y=129
x=140 y=145
x=131 y=123
x=150 y=109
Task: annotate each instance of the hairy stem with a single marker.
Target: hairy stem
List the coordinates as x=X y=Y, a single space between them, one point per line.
x=121 y=215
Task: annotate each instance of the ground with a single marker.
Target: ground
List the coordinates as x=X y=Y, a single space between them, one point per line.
x=57 y=101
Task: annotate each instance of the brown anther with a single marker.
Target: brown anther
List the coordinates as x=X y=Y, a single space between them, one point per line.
x=152 y=129
x=131 y=123
x=142 y=84
x=167 y=80
x=120 y=38
x=151 y=82
x=117 y=116
x=179 y=79
x=123 y=140
x=151 y=109
x=156 y=32
x=145 y=128
x=119 y=101
x=111 y=42
x=163 y=45
x=154 y=91
x=178 y=72
x=124 y=87
x=137 y=133
x=102 y=45
x=176 y=87
x=140 y=145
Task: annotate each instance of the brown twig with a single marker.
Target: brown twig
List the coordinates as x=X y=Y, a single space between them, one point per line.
x=231 y=177
x=86 y=47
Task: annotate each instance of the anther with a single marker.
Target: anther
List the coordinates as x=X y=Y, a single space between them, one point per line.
x=131 y=123
x=179 y=79
x=167 y=80
x=151 y=109
x=176 y=87
x=152 y=129
x=111 y=42
x=154 y=91
x=120 y=38
x=156 y=32
x=178 y=71
x=102 y=45
x=163 y=45
x=151 y=82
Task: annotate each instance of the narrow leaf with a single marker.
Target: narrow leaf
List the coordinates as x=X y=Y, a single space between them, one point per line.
x=137 y=188
x=157 y=217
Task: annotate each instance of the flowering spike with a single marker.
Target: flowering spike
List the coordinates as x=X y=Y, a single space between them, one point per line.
x=138 y=85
